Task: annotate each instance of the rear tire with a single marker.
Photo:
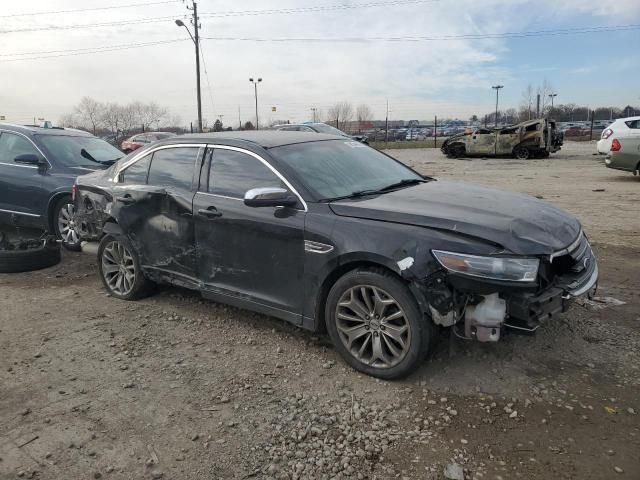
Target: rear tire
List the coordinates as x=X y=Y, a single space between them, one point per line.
x=522 y=153
x=120 y=269
x=376 y=325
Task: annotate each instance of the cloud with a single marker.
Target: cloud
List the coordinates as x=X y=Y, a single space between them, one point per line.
x=419 y=79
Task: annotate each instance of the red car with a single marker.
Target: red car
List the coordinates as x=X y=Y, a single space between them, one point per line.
x=137 y=141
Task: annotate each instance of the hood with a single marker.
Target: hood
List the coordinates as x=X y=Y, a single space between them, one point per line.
x=521 y=224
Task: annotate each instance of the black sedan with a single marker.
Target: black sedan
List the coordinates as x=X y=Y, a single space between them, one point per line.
x=330 y=234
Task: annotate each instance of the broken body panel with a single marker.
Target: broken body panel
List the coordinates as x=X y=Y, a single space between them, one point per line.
x=282 y=261
x=533 y=138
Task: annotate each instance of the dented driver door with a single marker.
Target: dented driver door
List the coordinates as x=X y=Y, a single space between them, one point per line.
x=253 y=254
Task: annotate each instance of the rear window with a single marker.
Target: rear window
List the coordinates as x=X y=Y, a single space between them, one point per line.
x=173 y=167
x=136 y=174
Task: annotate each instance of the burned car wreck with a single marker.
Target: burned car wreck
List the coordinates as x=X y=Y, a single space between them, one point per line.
x=531 y=139
x=332 y=235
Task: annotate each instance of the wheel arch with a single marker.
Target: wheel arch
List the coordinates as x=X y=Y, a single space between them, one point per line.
x=352 y=262
x=51 y=205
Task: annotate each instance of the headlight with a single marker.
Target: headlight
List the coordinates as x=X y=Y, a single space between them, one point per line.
x=496 y=268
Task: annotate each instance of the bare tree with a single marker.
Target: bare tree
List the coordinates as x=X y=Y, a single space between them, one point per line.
x=90 y=113
x=150 y=113
x=528 y=99
x=68 y=120
x=339 y=114
x=544 y=90
x=363 y=115
x=112 y=118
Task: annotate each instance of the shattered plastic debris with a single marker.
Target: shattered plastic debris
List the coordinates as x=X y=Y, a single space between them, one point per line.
x=598 y=303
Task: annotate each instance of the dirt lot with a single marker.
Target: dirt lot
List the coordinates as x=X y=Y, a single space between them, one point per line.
x=175 y=387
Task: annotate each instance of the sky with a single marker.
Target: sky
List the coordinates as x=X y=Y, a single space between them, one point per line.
x=448 y=77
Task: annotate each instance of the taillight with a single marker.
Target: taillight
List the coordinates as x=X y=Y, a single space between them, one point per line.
x=615 y=145
x=607 y=133
x=74 y=189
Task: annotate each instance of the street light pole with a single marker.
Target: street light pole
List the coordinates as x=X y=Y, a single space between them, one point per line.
x=552 y=96
x=497 y=89
x=255 y=87
x=314 y=110
x=196 y=42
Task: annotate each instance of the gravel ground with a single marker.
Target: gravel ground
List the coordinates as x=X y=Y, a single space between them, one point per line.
x=176 y=387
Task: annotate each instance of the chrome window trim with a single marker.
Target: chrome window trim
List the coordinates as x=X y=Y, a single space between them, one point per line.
x=267 y=164
x=220 y=196
x=16 y=165
x=20 y=213
x=141 y=155
x=2 y=130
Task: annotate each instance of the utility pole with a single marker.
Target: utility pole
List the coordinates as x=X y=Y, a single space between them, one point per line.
x=255 y=88
x=386 y=125
x=435 y=131
x=196 y=40
x=314 y=110
x=497 y=89
x=538 y=106
x=552 y=96
x=239 y=121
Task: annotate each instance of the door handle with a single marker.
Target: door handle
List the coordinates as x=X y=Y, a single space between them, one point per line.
x=126 y=199
x=210 y=212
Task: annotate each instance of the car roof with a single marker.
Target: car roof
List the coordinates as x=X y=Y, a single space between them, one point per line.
x=32 y=129
x=263 y=138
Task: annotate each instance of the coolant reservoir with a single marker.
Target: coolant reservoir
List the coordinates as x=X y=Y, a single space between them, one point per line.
x=484 y=320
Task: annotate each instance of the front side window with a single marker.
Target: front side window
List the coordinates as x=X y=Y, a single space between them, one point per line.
x=173 y=167
x=336 y=168
x=136 y=174
x=233 y=173
x=12 y=145
x=76 y=151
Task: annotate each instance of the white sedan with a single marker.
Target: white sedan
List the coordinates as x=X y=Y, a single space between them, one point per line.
x=621 y=128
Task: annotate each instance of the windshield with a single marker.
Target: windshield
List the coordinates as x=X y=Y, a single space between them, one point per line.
x=73 y=151
x=337 y=168
x=324 y=128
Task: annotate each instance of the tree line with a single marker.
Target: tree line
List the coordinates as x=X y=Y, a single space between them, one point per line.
x=119 y=119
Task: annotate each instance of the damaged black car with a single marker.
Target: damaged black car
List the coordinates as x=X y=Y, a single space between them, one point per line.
x=333 y=236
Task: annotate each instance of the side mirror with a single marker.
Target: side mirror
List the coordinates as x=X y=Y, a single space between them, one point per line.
x=269 y=197
x=29 y=159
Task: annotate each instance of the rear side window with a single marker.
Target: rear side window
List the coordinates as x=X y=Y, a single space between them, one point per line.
x=136 y=174
x=233 y=173
x=173 y=167
x=635 y=124
x=12 y=145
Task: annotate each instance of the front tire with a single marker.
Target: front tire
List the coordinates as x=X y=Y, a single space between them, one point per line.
x=120 y=270
x=375 y=324
x=64 y=224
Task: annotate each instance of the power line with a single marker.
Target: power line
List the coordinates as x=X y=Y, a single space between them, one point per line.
x=206 y=74
x=471 y=36
x=85 y=51
x=321 y=8
x=91 y=25
x=55 y=12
